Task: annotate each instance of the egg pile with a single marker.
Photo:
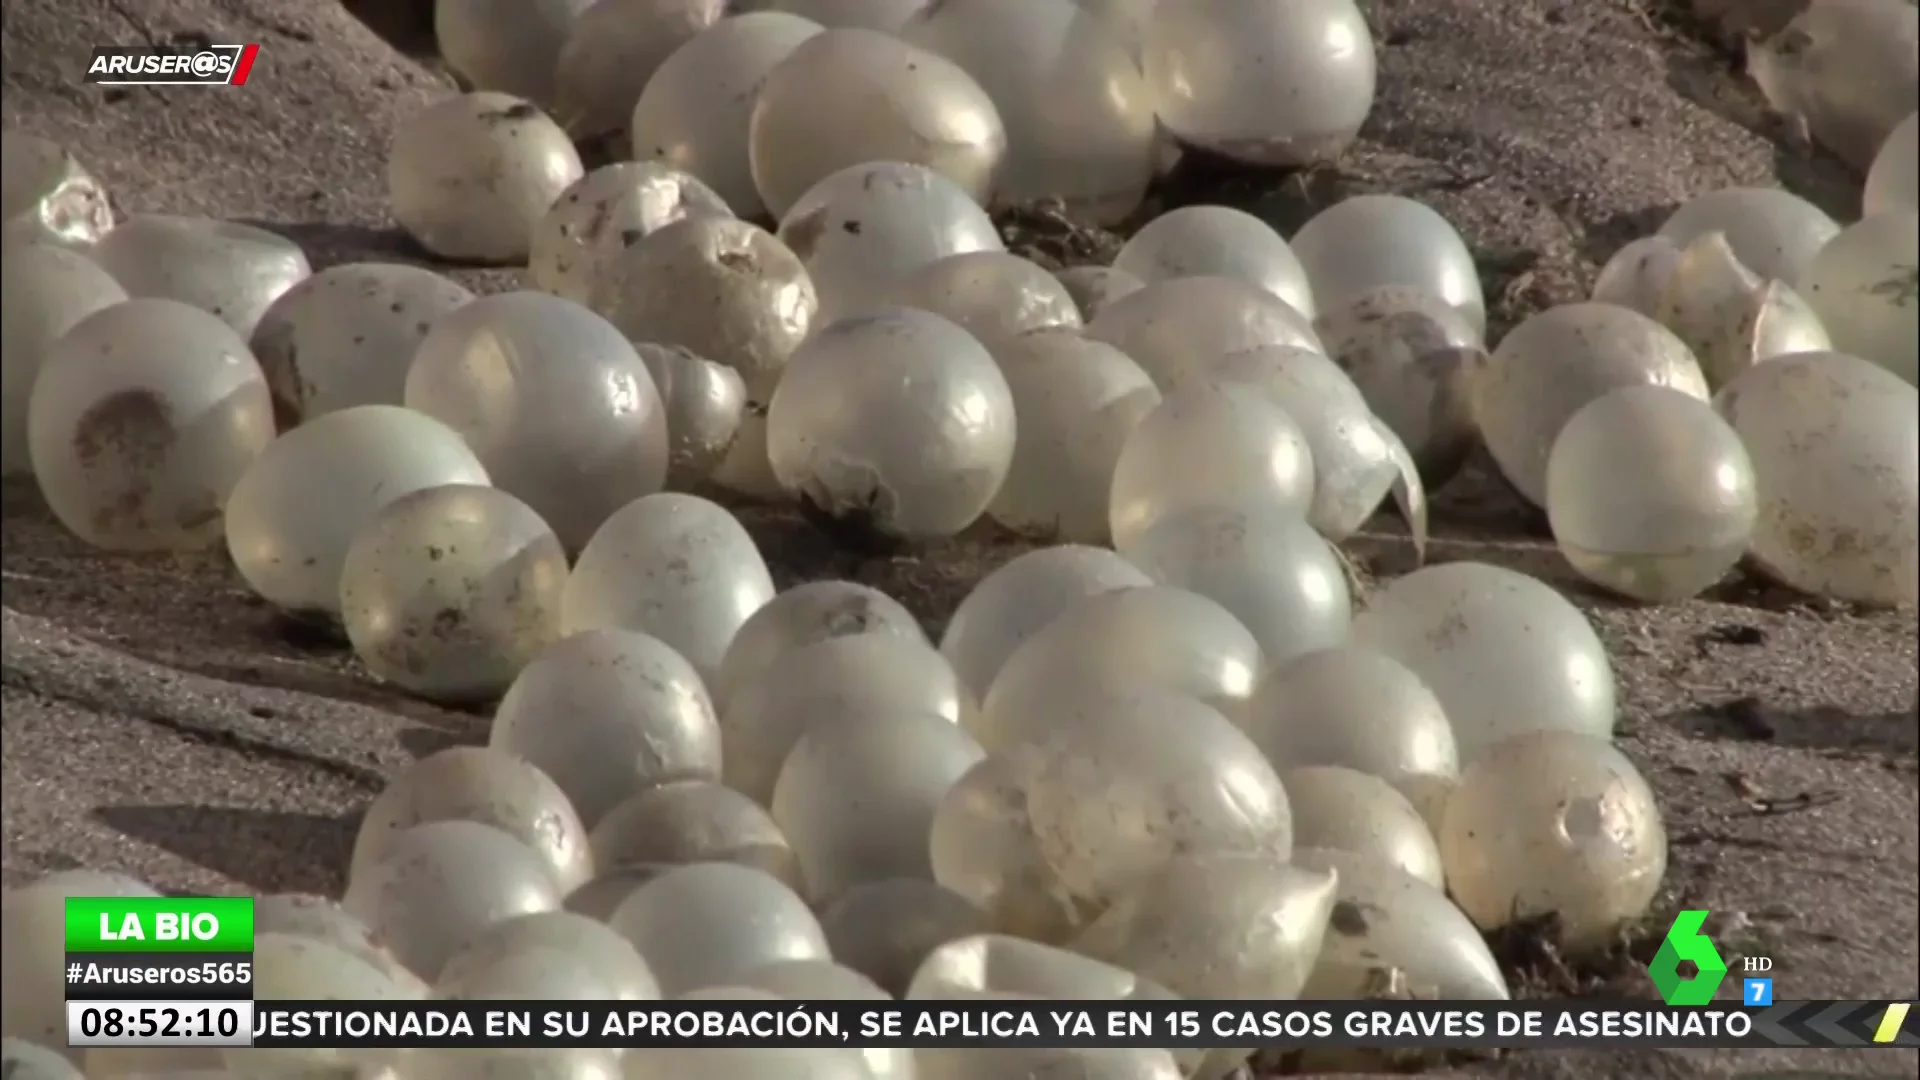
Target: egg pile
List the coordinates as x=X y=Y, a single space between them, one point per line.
x=1170 y=719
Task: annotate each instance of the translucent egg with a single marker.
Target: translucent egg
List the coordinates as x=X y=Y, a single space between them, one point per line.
x=44 y=292
x=504 y=45
x=1503 y=653
x=49 y=197
x=1077 y=400
x=1554 y=364
x=747 y=1062
x=1772 y=231
x=1835 y=448
x=1267 y=567
x=1267 y=83
x=1370 y=241
x=469 y=177
x=862 y=229
x=1865 y=285
x=603 y=956
x=1636 y=276
x=1208 y=444
x=706 y=403
x=290 y=968
x=607 y=712
x=680 y=822
x=727 y=289
x=572 y=249
x=1411 y=354
x=745 y=472
x=1112 y=644
x=831 y=681
x=885 y=929
x=982 y=847
x=324 y=920
x=1554 y=821
x=1176 y=329
x=999 y=963
x=1083 y=1063
x=844 y=97
x=809 y=613
x=612 y=51
x=992 y=295
x=900 y=422
x=1650 y=494
x=33 y=921
x=1349 y=811
x=1893 y=182
x=527 y=974
x=884 y=15
x=1079 y=120
x=346 y=336
x=1353 y=707
x=1020 y=597
x=1389 y=928
x=1730 y=318
x=1219 y=241
x=442 y=883
x=600 y=898
x=553 y=400
x=545 y=1064
x=23 y=1060
x=1843 y=72
x=142 y=419
x=709 y=923
x=1094 y=287
x=233 y=271
x=824 y=980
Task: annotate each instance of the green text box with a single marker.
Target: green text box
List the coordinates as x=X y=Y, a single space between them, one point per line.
x=159 y=924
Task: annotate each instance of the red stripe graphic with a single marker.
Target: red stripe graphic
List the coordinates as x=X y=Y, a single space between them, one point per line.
x=243 y=67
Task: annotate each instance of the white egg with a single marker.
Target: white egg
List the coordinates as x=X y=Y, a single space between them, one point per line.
x=1176 y=328
x=683 y=822
x=613 y=49
x=999 y=963
x=324 y=920
x=1772 y=231
x=291 y=968
x=1865 y=286
x=982 y=847
x=450 y=591
x=697 y=109
x=609 y=958
x=469 y=177
x=747 y=1062
x=1369 y=241
x=862 y=229
x=804 y=615
x=1845 y=72
x=702 y=925
x=1094 y=287
x=1835 y=446
x=1079 y=120
x=1021 y=596
x=1271 y=82
x=576 y=243
x=33 y=924
x=554 y=401
x=1555 y=363
x=1077 y=401
x=706 y=404
x=233 y=271
x=992 y=295
x=1218 y=241
x=884 y=15
x=1208 y=444
x=899 y=422
x=44 y=291
x=511 y=46
x=47 y=196
x=884 y=929
x=1636 y=276
x=347 y=335
x=1728 y=316
x=1350 y=811
x=981 y=1062
x=1503 y=653
x=1650 y=494
x=725 y=288
x=142 y=419
x=745 y=471
x=1390 y=926
x=824 y=980
x=548 y=1064
x=1893 y=182
x=845 y=97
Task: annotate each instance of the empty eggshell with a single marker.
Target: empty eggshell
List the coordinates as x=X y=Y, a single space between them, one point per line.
x=47 y=196
x=847 y=96
x=703 y=925
x=608 y=959
x=862 y=229
x=1370 y=241
x=706 y=403
x=1832 y=440
x=758 y=1062
x=885 y=15
x=809 y=613
x=290 y=968
x=824 y=980
x=1650 y=494
x=1083 y=1063
x=1554 y=822
x=233 y=271
x=1503 y=653
x=992 y=295
x=1208 y=444
x=612 y=51
x=600 y=898
x=1177 y=328
x=573 y=248
x=675 y=566
x=554 y=401
x=1555 y=363
x=999 y=963
x=1389 y=927
x=1728 y=316
x=1893 y=182
x=1079 y=121
x=1772 y=231
x=442 y=883
x=469 y=177
x=1094 y=287
x=1865 y=286
x=606 y=713
x=546 y=1064
x=324 y=920
x=1020 y=597
x=507 y=45
x=347 y=335
x=1843 y=71
x=885 y=929
x=1220 y=241
x=680 y=822
x=982 y=847
x=142 y=419
x=1266 y=83
x=725 y=288
x=44 y=291
x=33 y=920
x=1636 y=276
x=534 y=973
x=1347 y=810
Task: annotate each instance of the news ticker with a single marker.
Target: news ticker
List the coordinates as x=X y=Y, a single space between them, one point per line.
x=1425 y=1025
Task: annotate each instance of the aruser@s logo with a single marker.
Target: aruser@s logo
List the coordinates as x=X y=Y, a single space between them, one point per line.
x=1686 y=942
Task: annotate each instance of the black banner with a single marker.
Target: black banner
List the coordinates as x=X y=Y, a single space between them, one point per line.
x=159 y=976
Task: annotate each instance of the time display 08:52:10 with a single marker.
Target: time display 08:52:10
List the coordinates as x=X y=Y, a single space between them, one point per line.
x=106 y=1023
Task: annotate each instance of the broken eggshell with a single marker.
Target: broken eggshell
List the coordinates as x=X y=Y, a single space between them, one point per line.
x=47 y=196
x=705 y=403
x=1844 y=72
x=1728 y=316
x=1772 y=231
x=1636 y=276
x=1389 y=929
